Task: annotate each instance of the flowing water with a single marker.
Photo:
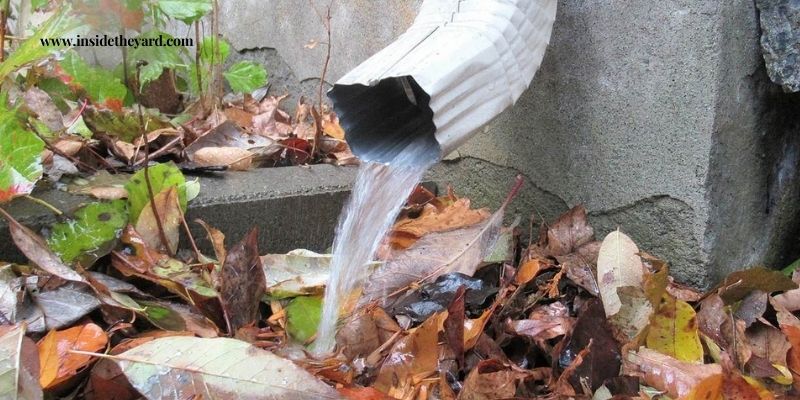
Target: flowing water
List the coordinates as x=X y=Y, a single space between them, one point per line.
x=380 y=191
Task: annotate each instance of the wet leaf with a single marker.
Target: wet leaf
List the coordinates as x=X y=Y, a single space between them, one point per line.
x=739 y=284
x=634 y=313
x=57 y=363
x=673 y=331
x=10 y=293
x=413 y=357
x=90 y=234
x=217 y=239
x=461 y=250
x=456 y=215
x=242 y=283
x=19 y=366
x=298 y=273
x=162 y=176
x=663 y=372
x=20 y=157
x=603 y=359
x=37 y=250
x=303 y=315
x=233 y=158
x=65 y=304
x=618 y=265
x=489 y=380
x=170 y=216
x=435 y=296
x=178 y=317
x=173 y=368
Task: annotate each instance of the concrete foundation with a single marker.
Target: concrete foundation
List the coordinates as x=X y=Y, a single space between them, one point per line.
x=658 y=116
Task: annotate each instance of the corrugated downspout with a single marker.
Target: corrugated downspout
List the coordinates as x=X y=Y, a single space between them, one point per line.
x=459 y=65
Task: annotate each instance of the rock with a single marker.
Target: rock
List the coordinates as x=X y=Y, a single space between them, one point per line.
x=780 y=41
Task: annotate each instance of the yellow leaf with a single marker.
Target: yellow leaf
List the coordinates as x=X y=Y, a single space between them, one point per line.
x=673 y=331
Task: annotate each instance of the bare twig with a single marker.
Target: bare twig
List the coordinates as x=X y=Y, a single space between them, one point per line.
x=162 y=236
x=197 y=66
x=44 y=204
x=4 y=8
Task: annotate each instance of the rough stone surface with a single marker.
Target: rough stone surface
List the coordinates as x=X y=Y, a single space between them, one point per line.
x=658 y=116
x=293 y=208
x=780 y=41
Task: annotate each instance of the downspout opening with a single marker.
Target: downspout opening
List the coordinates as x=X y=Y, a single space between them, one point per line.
x=382 y=119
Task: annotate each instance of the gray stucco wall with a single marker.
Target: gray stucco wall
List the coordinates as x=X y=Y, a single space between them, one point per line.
x=657 y=115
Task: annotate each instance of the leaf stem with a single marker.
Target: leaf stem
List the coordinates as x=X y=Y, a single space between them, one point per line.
x=44 y=204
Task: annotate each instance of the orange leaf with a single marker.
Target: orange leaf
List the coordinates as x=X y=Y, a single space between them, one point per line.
x=432 y=219
x=527 y=271
x=57 y=363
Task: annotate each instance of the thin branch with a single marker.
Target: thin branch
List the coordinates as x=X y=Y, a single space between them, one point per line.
x=162 y=236
x=44 y=204
x=4 y=9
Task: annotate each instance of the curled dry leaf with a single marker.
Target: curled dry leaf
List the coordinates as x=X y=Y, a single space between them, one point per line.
x=665 y=373
x=58 y=364
x=489 y=380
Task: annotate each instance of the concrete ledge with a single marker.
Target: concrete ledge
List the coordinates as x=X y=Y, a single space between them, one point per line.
x=293 y=207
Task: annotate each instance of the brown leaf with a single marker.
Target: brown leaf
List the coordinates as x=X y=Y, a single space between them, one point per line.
x=414 y=357
x=461 y=250
x=37 y=250
x=489 y=380
x=358 y=336
x=752 y=307
x=217 y=239
x=665 y=373
x=790 y=300
x=768 y=342
x=363 y=393
x=57 y=363
x=567 y=233
x=169 y=214
x=545 y=322
x=241 y=117
x=242 y=282
x=711 y=316
x=234 y=158
x=46 y=111
x=739 y=284
x=603 y=360
x=458 y=215
x=454 y=325
x=734 y=386
x=108 y=193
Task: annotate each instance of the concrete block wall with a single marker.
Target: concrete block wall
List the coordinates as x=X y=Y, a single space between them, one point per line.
x=657 y=115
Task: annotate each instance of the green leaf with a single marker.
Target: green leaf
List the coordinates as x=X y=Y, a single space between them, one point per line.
x=216 y=369
x=162 y=176
x=303 y=315
x=187 y=11
x=37 y=4
x=789 y=270
x=90 y=234
x=158 y=58
x=20 y=157
x=31 y=50
x=100 y=84
x=207 y=54
x=246 y=76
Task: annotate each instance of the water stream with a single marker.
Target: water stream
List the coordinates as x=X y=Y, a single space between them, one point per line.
x=379 y=192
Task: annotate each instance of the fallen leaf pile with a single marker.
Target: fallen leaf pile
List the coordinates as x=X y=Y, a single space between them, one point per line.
x=113 y=305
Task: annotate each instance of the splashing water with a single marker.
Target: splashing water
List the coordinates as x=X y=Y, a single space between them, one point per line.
x=379 y=192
